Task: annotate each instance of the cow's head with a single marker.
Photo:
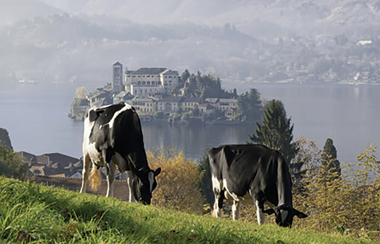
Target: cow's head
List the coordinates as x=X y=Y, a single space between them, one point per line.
x=144 y=184
x=284 y=215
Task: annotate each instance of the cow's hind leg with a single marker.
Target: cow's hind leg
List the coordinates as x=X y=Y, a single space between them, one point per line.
x=236 y=206
x=260 y=214
x=111 y=171
x=218 y=204
x=85 y=172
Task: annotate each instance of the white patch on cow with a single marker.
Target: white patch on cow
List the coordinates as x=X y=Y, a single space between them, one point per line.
x=217 y=187
x=284 y=215
x=95 y=156
x=216 y=184
x=151 y=180
x=112 y=121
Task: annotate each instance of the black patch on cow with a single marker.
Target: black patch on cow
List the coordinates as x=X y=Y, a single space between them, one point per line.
x=125 y=136
x=248 y=167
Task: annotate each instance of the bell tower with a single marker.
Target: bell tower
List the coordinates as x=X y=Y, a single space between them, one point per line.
x=117 y=80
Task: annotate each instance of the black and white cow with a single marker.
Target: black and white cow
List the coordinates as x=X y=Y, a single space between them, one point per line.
x=113 y=137
x=252 y=173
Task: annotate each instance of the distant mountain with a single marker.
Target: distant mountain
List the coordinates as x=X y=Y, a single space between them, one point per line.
x=65 y=48
x=248 y=16
x=70 y=41
x=16 y=10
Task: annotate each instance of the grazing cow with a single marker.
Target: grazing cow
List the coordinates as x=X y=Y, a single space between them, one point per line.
x=252 y=173
x=113 y=137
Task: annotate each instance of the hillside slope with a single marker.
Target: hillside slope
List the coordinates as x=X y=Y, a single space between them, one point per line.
x=31 y=212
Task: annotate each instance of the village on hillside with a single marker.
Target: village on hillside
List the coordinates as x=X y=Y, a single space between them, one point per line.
x=157 y=93
x=56 y=165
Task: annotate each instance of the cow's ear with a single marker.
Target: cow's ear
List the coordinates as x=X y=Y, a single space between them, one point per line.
x=269 y=211
x=299 y=214
x=157 y=171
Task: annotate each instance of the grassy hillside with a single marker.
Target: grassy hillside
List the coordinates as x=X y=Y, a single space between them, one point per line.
x=32 y=213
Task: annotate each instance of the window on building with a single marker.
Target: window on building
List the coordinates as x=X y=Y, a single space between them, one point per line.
x=148 y=82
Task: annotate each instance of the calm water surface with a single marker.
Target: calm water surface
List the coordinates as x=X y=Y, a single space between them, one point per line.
x=35 y=116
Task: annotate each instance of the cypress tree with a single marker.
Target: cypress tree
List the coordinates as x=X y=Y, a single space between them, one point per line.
x=329 y=158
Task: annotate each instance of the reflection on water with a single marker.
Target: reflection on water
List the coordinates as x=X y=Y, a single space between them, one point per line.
x=193 y=139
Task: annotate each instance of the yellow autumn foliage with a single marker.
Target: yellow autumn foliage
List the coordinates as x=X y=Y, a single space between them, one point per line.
x=178 y=185
x=348 y=204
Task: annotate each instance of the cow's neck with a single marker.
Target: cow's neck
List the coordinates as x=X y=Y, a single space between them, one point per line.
x=138 y=160
x=284 y=185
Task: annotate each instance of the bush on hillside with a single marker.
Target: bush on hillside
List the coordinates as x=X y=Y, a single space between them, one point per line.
x=11 y=165
x=178 y=185
x=347 y=204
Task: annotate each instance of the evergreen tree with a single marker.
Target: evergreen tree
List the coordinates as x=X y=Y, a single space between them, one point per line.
x=329 y=158
x=276 y=132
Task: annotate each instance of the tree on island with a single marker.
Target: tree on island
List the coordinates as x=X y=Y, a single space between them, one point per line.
x=203 y=86
x=249 y=106
x=329 y=159
x=276 y=132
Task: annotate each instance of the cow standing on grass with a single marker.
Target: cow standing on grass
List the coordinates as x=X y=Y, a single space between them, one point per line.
x=252 y=173
x=113 y=137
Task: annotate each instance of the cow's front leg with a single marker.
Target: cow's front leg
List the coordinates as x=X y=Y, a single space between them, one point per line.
x=110 y=179
x=131 y=193
x=85 y=172
x=261 y=217
x=236 y=206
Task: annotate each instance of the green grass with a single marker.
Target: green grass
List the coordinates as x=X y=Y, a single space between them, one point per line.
x=32 y=213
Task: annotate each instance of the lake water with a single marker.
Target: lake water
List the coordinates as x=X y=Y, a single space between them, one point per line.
x=35 y=116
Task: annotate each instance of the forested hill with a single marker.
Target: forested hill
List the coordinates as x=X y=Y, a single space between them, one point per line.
x=266 y=40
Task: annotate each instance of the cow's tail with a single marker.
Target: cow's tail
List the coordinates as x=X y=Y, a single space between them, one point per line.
x=95 y=178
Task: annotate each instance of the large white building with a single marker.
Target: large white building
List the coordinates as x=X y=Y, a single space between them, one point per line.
x=143 y=81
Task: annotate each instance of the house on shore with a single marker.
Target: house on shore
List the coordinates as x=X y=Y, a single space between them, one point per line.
x=52 y=164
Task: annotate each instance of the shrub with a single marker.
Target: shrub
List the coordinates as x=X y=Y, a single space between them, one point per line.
x=178 y=185
x=342 y=204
